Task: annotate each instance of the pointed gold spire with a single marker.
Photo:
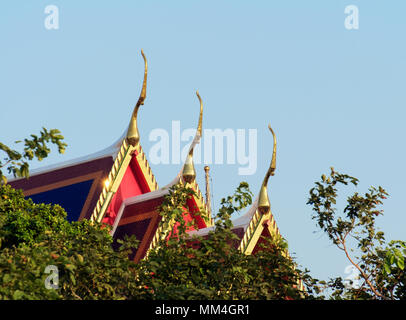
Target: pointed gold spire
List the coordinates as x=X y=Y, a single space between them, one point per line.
x=200 y=124
x=133 y=136
x=189 y=172
x=264 y=206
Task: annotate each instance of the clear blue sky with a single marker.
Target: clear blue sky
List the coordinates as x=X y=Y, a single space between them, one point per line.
x=335 y=97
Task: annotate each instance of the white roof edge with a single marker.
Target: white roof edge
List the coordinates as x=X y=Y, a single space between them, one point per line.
x=240 y=222
x=136 y=199
x=145 y=196
x=245 y=219
x=109 y=151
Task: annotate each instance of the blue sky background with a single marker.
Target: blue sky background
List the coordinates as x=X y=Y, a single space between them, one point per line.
x=335 y=97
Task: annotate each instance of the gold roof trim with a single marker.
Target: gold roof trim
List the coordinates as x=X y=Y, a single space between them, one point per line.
x=114 y=178
x=255 y=228
x=146 y=169
x=188 y=171
x=187 y=176
x=263 y=217
x=264 y=206
x=129 y=145
x=133 y=136
x=166 y=226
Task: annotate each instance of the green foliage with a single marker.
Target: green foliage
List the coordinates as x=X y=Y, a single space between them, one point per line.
x=34 y=236
x=395 y=257
x=211 y=267
x=19 y=222
x=16 y=162
x=381 y=268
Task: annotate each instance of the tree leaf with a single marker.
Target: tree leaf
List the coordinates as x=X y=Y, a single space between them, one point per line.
x=400 y=263
x=17 y=295
x=386 y=268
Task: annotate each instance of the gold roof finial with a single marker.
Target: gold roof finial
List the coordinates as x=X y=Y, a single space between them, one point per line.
x=133 y=136
x=189 y=172
x=264 y=206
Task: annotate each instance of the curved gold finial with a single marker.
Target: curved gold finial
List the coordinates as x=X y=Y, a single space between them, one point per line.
x=199 y=126
x=189 y=172
x=133 y=136
x=263 y=201
x=272 y=167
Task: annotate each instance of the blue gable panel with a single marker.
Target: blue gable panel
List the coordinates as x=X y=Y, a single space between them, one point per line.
x=72 y=198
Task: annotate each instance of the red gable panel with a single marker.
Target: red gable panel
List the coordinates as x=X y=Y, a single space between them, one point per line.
x=141 y=218
x=132 y=184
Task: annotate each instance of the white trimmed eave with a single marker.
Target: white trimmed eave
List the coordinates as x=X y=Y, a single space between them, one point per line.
x=109 y=151
x=240 y=222
x=137 y=199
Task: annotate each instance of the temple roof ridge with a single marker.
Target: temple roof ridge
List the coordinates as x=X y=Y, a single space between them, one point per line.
x=112 y=151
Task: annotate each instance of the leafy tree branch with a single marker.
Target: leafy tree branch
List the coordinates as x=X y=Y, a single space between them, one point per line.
x=381 y=268
x=17 y=162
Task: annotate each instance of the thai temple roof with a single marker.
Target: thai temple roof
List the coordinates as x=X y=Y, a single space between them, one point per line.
x=117 y=186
